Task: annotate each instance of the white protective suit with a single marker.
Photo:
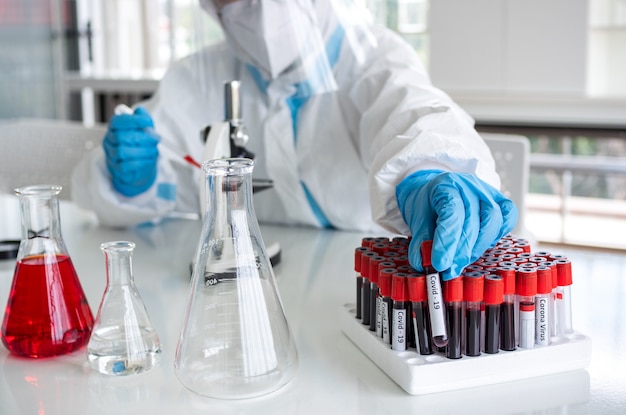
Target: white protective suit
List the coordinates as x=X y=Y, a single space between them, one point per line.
x=384 y=121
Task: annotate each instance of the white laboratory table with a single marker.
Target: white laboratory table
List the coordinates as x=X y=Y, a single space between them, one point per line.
x=315 y=279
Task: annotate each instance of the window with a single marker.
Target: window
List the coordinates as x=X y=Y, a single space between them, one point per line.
x=407 y=17
x=607 y=37
x=577 y=189
x=137 y=37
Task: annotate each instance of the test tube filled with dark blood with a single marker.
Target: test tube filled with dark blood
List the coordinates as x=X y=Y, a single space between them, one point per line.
x=507 y=309
x=373 y=277
x=384 y=282
x=494 y=293
x=380 y=299
x=453 y=299
x=436 y=308
x=473 y=293
x=358 y=252
x=419 y=309
x=365 y=290
x=399 y=312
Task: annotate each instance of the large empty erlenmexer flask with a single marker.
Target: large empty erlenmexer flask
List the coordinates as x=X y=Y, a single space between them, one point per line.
x=123 y=340
x=47 y=313
x=235 y=341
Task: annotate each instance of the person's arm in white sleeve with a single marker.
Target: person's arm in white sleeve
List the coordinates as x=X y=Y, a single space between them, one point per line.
x=413 y=134
x=407 y=124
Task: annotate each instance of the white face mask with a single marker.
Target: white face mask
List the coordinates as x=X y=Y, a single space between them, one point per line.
x=271 y=35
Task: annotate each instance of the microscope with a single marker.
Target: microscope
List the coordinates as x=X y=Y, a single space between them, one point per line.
x=227 y=139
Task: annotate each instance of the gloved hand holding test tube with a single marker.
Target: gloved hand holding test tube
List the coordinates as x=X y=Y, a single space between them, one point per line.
x=125 y=109
x=435 y=298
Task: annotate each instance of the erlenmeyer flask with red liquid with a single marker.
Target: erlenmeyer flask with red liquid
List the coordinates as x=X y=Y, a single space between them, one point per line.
x=47 y=313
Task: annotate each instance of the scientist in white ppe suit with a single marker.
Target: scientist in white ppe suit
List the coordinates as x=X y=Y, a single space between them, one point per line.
x=342 y=118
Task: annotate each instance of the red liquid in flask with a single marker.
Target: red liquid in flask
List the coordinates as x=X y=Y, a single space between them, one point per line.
x=47 y=313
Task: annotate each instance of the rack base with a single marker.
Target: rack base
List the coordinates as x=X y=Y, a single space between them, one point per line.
x=420 y=375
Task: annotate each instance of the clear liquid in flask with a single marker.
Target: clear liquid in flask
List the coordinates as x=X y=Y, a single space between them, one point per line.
x=123 y=340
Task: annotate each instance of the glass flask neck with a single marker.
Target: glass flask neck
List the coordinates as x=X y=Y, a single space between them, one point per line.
x=118 y=257
x=229 y=186
x=41 y=223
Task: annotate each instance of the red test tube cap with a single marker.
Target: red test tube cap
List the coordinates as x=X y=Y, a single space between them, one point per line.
x=381 y=240
x=368 y=242
x=392 y=255
x=416 y=284
x=365 y=263
x=515 y=250
x=520 y=261
x=383 y=265
x=544 y=280
x=453 y=290
x=402 y=260
x=490 y=263
x=494 y=289
x=387 y=263
x=473 y=286
x=398 y=287
x=404 y=268
x=526 y=281
x=564 y=272
x=380 y=248
x=426 y=250
x=508 y=276
x=400 y=240
x=384 y=281
x=555 y=275
x=399 y=248
x=374 y=267
x=358 y=253
x=552 y=266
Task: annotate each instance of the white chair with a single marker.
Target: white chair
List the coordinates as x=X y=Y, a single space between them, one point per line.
x=40 y=151
x=512 y=156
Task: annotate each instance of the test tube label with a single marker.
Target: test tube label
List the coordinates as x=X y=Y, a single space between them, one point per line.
x=386 y=332
x=542 y=321
x=379 y=316
x=398 y=339
x=527 y=326
x=435 y=302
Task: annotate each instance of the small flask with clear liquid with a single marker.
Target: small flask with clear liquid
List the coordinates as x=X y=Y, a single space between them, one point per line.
x=235 y=342
x=47 y=313
x=123 y=340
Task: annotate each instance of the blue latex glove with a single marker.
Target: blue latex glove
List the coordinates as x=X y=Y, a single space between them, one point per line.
x=130 y=146
x=460 y=213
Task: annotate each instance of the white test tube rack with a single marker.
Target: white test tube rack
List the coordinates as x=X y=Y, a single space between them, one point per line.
x=425 y=374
